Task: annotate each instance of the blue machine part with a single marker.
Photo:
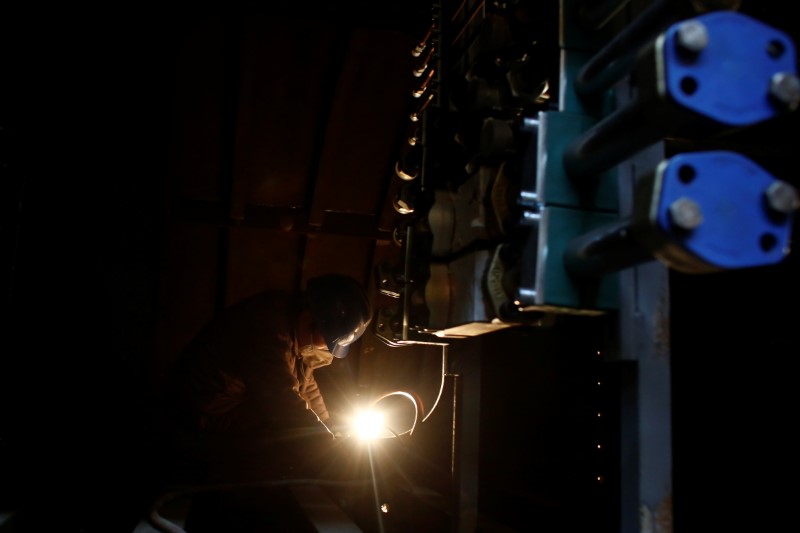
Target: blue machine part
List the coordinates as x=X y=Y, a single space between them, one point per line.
x=728 y=80
x=738 y=228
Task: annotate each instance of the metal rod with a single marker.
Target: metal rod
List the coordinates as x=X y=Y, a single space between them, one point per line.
x=607 y=249
x=616 y=58
x=423 y=43
x=407 y=281
x=454 y=430
x=611 y=141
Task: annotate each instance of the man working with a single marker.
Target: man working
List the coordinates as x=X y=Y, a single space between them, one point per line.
x=249 y=374
x=245 y=413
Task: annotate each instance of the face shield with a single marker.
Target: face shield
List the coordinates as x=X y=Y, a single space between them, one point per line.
x=341 y=345
x=340 y=311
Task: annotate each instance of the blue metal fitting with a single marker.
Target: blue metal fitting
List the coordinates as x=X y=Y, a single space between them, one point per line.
x=723 y=209
x=730 y=68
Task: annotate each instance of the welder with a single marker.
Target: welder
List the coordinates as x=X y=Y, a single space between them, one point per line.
x=246 y=382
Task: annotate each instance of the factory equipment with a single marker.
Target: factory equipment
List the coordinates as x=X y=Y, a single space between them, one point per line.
x=565 y=169
x=519 y=160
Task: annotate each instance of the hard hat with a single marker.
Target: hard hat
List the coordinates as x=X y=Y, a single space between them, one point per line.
x=340 y=310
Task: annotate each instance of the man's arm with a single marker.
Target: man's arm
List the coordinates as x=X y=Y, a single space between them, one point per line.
x=314 y=399
x=273 y=396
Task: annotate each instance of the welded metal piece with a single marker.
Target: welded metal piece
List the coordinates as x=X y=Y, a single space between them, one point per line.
x=616 y=59
x=725 y=83
x=609 y=248
x=740 y=226
x=698 y=212
x=740 y=229
x=730 y=70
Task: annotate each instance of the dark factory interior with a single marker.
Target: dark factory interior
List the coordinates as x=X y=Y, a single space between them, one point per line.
x=559 y=360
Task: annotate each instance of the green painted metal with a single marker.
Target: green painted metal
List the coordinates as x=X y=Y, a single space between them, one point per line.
x=555 y=287
x=554 y=187
x=571 y=208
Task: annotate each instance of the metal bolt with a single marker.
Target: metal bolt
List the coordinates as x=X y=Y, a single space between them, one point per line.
x=530 y=218
x=782 y=197
x=685 y=214
x=528 y=198
x=692 y=37
x=529 y=125
x=784 y=87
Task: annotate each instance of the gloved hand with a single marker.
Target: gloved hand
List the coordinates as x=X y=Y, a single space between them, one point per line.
x=338 y=427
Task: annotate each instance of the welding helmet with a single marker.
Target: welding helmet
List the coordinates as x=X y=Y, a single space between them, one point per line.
x=339 y=309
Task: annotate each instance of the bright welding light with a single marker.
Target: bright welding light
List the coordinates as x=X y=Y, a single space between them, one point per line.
x=368 y=425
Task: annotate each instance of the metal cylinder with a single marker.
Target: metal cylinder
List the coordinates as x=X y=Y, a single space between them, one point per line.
x=615 y=60
x=610 y=141
x=605 y=250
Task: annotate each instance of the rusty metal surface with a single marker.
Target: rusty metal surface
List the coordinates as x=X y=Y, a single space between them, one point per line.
x=284 y=128
x=285 y=87
x=372 y=95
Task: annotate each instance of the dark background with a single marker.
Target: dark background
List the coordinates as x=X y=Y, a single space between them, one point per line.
x=158 y=168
